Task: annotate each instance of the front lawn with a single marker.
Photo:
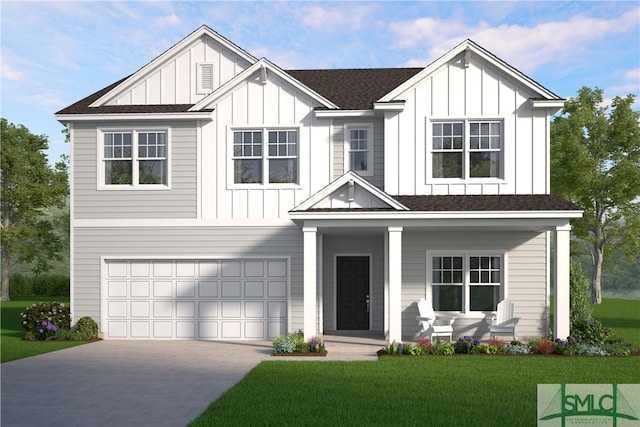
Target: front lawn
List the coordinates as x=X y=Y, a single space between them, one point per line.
x=432 y=390
x=622 y=316
x=12 y=346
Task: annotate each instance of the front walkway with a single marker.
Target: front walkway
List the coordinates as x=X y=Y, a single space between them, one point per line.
x=139 y=383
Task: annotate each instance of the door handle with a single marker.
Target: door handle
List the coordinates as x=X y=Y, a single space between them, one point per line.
x=368 y=302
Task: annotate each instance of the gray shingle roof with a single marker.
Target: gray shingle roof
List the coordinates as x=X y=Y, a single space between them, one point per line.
x=350 y=89
x=476 y=203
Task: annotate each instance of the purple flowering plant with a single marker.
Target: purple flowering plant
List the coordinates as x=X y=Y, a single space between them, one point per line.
x=467 y=345
x=39 y=320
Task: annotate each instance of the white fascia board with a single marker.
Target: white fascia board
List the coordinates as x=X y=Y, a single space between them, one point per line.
x=199 y=115
x=327 y=114
x=548 y=103
x=394 y=106
x=344 y=179
x=481 y=52
x=440 y=215
x=262 y=64
x=179 y=223
x=203 y=31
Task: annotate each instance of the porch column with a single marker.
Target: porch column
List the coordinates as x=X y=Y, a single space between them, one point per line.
x=310 y=288
x=395 y=283
x=561 y=275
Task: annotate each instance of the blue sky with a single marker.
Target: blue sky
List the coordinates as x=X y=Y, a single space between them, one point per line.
x=55 y=53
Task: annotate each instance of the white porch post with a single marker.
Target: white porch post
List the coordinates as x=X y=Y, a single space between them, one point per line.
x=395 y=283
x=561 y=275
x=310 y=288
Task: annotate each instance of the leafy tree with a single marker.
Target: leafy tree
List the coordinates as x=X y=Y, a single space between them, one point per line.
x=595 y=163
x=28 y=188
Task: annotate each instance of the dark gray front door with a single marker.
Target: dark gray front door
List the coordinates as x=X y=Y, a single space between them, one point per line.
x=353 y=292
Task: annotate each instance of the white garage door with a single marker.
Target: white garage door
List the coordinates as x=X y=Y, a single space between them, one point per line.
x=195 y=299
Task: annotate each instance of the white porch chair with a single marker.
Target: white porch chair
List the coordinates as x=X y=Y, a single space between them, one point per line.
x=427 y=320
x=503 y=322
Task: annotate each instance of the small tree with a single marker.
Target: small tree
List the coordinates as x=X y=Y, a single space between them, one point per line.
x=595 y=163
x=28 y=187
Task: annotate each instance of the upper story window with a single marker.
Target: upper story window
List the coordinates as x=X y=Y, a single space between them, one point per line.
x=466 y=283
x=466 y=149
x=134 y=158
x=265 y=155
x=359 y=149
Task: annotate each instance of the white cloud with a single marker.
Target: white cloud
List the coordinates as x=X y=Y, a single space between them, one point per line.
x=169 y=20
x=347 y=16
x=528 y=47
x=10 y=73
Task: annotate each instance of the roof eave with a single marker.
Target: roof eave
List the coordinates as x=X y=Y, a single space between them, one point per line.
x=197 y=115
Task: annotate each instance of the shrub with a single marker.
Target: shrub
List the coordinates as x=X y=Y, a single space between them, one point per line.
x=86 y=328
x=517 y=348
x=54 y=313
x=290 y=343
x=40 y=285
x=569 y=347
x=316 y=345
x=580 y=303
x=591 y=350
x=619 y=349
x=542 y=346
x=467 y=345
x=443 y=349
x=591 y=331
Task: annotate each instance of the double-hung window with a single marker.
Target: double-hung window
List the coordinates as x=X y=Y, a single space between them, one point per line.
x=135 y=158
x=466 y=149
x=359 y=149
x=466 y=283
x=265 y=155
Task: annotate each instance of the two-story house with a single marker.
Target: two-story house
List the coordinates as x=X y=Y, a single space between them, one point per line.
x=215 y=195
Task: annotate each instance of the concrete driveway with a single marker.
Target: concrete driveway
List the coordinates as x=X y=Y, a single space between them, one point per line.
x=124 y=383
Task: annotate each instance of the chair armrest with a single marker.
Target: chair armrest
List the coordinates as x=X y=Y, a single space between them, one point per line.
x=425 y=319
x=490 y=319
x=513 y=321
x=449 y=319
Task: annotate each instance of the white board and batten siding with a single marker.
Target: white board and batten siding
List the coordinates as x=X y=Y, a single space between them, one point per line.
x=478 y=92
x=525 y=282
x=92 y=202
x=255 y=106
x=181 y=249
x=176 y=80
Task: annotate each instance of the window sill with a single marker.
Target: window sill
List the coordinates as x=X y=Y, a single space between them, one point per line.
x=264 y=187
x=479 y=315
x=500 y=181
x=133 y=188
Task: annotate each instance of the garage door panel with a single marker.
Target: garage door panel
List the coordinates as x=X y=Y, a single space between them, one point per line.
x=195 y=299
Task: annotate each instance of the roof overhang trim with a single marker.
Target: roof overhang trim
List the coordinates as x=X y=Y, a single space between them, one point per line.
x=326 y=114
x=199 y=115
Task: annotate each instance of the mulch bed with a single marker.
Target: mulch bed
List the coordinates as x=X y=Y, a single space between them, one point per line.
x=305 y=354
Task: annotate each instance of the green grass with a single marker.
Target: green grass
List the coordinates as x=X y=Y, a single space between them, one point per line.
x=432 y=390
x=12 y=347
x=622 y=316
x=457 y=390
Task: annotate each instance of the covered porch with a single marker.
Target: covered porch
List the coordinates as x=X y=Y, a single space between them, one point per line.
x=367 y=256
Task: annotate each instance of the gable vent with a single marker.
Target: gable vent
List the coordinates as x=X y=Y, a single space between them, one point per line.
x=205 y=78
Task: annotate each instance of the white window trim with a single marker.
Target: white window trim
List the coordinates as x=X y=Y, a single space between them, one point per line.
x=465 y=152
x=231 y=184
x=348 y=127
x=200 y=90
x=134 y=186
x=465 y=313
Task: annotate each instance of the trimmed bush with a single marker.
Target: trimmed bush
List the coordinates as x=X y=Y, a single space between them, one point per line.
x=580 y=303
x=86 y=329
x=42 y=320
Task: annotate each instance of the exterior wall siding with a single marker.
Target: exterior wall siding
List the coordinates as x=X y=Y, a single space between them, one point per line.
x=178 y=202
x=256 y=106
x=175 y=81
x=90 y=244
x=338 y=137
x=526 y=277
x=454 y=92
x=372 y=245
